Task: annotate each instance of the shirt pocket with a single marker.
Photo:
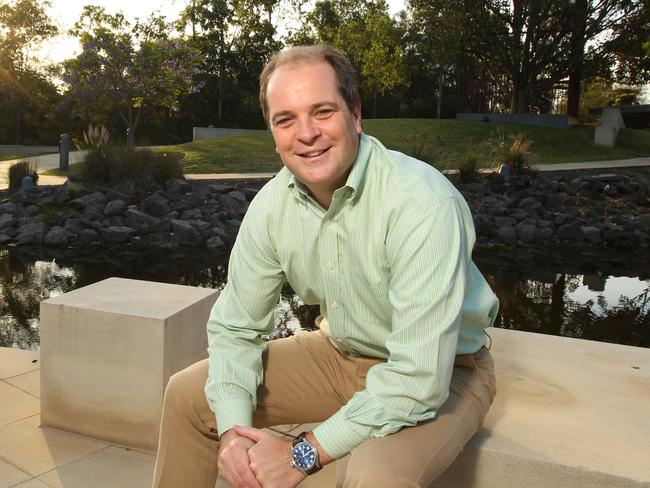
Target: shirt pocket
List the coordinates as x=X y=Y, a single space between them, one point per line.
x=371 y=301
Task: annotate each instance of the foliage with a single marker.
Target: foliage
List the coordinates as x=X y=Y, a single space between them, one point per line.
x=511 y=149
x=468 y=168
x=125 y=69
x=367 y=35
x=27 y=95
x=19 y=170
x=111 y=165
x=95 y=137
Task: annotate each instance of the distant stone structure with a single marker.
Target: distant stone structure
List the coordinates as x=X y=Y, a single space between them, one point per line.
x=610 y=123
x=561 y=121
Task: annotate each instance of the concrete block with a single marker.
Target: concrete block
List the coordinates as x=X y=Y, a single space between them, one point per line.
x=605 y=135
x=612 y=117
x=108 y=350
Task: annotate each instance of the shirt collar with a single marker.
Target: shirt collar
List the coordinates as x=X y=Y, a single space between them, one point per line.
x=357 y=174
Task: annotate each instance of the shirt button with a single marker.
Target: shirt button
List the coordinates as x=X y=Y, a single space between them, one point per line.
x=330 y=266
x=335 y=306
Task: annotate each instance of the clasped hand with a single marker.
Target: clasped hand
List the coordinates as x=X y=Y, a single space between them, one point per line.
x=253 y=458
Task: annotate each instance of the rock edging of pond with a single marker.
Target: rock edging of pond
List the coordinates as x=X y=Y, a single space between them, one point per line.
x=587 y=210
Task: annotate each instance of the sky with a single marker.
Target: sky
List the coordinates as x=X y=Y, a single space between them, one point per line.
x=66 y=12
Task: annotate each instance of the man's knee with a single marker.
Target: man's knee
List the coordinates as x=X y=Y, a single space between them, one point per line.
x=185 y=389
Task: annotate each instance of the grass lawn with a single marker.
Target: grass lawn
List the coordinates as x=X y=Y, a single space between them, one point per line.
x=10 y=156
x=441 y=143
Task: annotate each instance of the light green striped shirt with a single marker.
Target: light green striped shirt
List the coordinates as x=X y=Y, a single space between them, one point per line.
x=390 y=265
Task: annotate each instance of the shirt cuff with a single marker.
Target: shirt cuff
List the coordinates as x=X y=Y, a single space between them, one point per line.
x=338 y=435
x=229 y=413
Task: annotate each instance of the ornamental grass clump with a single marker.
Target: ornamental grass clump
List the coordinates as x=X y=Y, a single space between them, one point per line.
x=511 y=150
x=19 y=170
x=468 y=168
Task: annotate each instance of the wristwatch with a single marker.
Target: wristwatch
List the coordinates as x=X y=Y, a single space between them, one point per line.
x=304 y=456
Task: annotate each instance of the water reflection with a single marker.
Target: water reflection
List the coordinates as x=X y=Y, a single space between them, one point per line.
x=592 y=305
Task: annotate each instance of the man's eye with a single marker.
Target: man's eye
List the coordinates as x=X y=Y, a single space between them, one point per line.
x=324 y=113
x=283 y=122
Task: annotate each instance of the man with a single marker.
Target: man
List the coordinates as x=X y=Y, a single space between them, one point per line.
x=398 y=372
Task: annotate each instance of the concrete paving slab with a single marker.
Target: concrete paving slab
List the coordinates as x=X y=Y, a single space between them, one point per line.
x=35 y=483
x=109 y=468
x=38 y=450
x=16 y=404
x=14 y=362
x=28 y=382
x=11 y=475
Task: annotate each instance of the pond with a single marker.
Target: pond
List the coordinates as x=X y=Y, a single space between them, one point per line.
x=587 y=297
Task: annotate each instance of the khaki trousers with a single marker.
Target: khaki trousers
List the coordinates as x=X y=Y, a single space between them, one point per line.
x=306 y=379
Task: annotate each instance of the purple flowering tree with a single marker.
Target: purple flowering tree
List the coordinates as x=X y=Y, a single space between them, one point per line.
x=126 y=69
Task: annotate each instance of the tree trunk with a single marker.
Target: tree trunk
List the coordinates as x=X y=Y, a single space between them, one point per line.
x=220 y=98
x=577 y=56
x=515 y=64
x=440 y=85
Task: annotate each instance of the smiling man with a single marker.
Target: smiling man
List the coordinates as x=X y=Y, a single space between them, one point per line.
x=398 y=373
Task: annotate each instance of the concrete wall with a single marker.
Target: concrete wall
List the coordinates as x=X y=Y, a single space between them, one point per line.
x=201 y=133
x=549 y=120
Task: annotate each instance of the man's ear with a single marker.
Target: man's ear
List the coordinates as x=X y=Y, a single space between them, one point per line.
x=357 y=117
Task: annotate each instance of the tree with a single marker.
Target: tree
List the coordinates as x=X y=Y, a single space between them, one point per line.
x=364 y=31
x=124 y=70
x=26 y=95
x=235 y=39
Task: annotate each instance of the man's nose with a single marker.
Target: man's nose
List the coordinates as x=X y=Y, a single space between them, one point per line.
x=308 y=130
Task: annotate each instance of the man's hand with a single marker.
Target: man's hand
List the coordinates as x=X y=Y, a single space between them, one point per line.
x=269 y=459
x=233 y=463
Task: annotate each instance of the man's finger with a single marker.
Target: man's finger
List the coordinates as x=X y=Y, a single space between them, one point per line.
x=251 y=433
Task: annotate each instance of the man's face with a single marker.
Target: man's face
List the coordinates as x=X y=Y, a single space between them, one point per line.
x=315 y=133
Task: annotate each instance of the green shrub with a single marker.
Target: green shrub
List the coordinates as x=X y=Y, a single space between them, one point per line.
x=114 y=165
x=49 y=215
x=19 y=170
x=468 y=168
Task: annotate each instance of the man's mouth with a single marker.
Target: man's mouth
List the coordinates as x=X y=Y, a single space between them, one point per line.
x=313 y=154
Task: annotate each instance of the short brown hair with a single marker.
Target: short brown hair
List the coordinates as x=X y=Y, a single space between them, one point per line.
x=345 y=76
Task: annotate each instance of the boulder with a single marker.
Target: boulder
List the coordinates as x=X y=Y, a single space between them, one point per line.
x=117 y=233
x=115 y=207
x=156 y=205
x=31 y=233
x=57 y=236
x=183 y=233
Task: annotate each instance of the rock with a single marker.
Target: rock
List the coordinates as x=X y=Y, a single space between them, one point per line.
x=76 y=226
x=7 y=207
x=57 y=236
x=117 y=233
x=642 y=220
x=608 y=177
x=229 y=203
x=156 y=205
x=529 y=203
x=570 y=232
x=237 y=195
x=31 y=233
x=543 y=233
x=142 y=222
x=7 y=220
x=507 y=234
x=592 y=233
x=610 y=189
x=95 y=198
x=88 y=236
x=115 y=207
x=613 y=232
x=175 y=189
x=526 y=232
x=5 y=239
x=203 y=228
x=187 y=202
x=185 y=234
x=215 y=243
x=193 y=214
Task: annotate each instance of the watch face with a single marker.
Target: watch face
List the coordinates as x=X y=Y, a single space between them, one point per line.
x=304 y=456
